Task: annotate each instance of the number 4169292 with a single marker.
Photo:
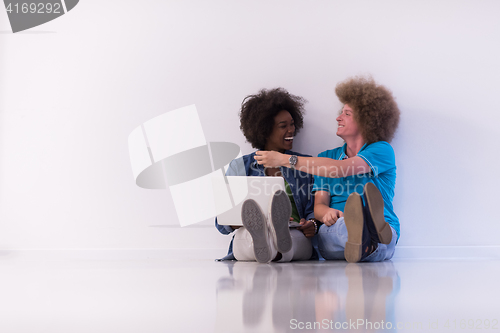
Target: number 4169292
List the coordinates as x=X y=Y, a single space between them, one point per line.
x=34 y=8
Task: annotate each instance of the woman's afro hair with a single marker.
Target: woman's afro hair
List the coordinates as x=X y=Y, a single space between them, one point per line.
x=258 y=112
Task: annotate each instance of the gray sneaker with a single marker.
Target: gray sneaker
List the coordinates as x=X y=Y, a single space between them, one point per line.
x=280 y=211
x=255 y=222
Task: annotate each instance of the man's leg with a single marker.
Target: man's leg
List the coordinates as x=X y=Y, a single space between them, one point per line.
x=384 y=251
x=332 y=240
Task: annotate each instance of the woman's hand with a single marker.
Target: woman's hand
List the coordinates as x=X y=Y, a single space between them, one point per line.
x=270 y=159
x=331 y=216
x=307 y=228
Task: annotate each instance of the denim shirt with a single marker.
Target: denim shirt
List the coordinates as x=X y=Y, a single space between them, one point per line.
x=301 y=184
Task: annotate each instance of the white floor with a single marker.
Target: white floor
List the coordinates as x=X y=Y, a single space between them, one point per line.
x=187 y=291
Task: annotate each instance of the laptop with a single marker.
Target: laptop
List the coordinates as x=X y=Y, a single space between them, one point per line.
x=231 y=191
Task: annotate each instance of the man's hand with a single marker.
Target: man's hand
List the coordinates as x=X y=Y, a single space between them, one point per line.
x=270 y=159
x=331 y=216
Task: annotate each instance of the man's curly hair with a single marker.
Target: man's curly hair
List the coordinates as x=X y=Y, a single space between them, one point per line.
x=375 y=109
x=258 y=112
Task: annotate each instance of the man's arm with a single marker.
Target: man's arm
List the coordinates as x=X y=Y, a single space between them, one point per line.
x=322 y=210
x=319 y=166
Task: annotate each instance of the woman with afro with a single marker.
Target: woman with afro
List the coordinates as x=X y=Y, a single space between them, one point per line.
x=269 y=121
x=354 y=184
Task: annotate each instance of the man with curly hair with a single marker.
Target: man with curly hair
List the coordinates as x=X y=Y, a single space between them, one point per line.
x=269 y=120
x=354 y=184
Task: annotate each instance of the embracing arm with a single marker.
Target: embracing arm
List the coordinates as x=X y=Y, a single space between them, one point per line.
x=319 y=166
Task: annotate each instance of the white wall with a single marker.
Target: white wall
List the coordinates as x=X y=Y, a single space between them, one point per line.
x=73 y=89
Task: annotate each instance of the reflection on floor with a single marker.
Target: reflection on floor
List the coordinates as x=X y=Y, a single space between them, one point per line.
x=307 y=296
x=186 y=291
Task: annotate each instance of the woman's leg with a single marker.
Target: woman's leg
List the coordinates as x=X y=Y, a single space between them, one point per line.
x=301 y=247
x=265 y=236
x=243 y=249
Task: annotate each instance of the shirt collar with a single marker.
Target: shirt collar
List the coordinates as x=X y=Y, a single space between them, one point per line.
x=343 y=155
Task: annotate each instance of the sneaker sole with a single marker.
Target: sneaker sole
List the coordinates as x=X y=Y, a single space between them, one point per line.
x=255 y=222
x=280 y=211
x=353 y=218
x=376 y=207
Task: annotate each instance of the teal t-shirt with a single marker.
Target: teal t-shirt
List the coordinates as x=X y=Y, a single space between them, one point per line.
x=382 y=161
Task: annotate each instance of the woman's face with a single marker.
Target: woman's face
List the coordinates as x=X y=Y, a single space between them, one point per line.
x=347 y=126
x=281 y=137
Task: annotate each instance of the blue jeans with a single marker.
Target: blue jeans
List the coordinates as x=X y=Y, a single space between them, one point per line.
x=331 y=243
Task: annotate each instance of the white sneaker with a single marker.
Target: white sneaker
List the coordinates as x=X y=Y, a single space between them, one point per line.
x=255 y=222
x=280 y=211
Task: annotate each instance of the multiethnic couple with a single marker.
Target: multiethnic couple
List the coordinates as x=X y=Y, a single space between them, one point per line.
x=347 y=207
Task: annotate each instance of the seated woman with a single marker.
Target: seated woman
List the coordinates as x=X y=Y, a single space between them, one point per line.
x=269 y=120
x=354 y=184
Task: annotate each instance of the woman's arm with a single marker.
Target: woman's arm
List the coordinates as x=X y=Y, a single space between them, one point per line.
x=322 y=210
x=319 y=166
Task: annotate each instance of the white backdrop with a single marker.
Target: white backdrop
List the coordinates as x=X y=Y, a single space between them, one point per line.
x=73 y=89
